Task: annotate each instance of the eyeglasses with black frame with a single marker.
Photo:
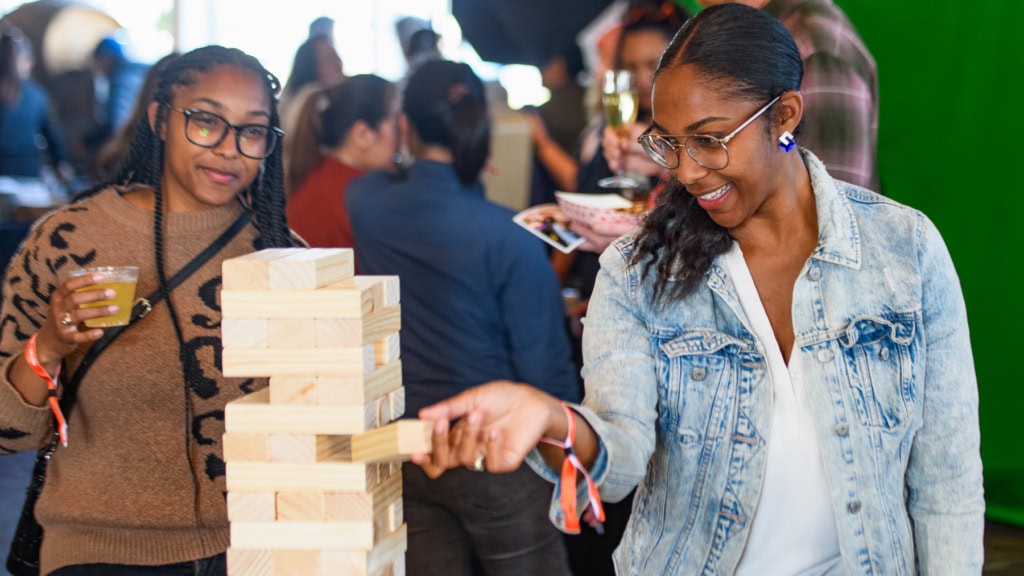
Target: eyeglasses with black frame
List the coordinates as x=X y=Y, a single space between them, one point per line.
x=708 y=151
x=207 y=130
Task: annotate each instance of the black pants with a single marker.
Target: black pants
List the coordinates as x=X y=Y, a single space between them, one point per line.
x=212 y=566
x=469 y=523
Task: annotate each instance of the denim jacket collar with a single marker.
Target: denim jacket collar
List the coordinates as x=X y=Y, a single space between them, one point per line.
x=838 y=234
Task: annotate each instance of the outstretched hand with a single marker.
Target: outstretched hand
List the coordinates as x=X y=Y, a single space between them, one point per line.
x=499 y=421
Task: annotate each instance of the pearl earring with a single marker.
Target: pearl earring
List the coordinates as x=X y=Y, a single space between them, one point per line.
x=786 y=141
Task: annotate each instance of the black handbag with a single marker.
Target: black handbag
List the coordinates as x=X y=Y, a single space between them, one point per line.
x=23 y=557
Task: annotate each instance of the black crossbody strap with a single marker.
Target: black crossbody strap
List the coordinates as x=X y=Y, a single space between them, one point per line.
x=143 y=306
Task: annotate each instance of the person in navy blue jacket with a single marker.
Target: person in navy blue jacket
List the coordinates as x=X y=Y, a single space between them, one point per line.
x=479 y=301
x=24 y=113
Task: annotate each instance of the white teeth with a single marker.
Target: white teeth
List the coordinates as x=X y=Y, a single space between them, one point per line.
x=716 y=194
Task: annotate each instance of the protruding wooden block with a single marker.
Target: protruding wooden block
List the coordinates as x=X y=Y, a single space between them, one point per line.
x=351 y=332
x=252 y=271
x=387 y=350
x=390 y=286
x=310 y=448
x=244 y=333
x=311 y=269
x=245 y=447
x=315 y=361
x=254 y=414
x=345 y=299
x=291 y=333
x=252 y=506
x=289 y=477
x=358 y=390
x=250 y=562
x=393 y=442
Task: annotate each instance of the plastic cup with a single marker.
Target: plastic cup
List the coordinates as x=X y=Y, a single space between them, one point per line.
x=120 y=279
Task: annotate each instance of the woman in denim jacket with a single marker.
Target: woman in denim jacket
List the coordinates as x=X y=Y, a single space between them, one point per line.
x=779 y=360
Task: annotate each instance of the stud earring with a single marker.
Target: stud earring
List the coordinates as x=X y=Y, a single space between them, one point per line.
x=786 y=141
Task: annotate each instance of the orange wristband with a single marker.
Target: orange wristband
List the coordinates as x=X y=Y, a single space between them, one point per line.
x=570 y=466
x=32 y=359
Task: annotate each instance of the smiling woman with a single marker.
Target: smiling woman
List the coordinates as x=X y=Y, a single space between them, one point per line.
x=780 y=361
x=141 y=488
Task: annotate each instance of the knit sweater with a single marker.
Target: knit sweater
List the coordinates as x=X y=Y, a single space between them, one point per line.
x=122 y=491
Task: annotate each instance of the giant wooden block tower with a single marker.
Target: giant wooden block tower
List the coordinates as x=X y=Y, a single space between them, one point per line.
x=313 y=461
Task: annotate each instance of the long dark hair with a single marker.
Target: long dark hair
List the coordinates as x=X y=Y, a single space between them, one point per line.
x=12 y=46
x=304 y=66
x=328 y=117
x=748 y=55
x=446 y=105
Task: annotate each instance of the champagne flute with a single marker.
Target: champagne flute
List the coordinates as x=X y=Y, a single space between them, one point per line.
x=621 y=103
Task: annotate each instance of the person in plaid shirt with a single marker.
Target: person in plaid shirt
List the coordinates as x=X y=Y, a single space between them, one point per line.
x=840 y=87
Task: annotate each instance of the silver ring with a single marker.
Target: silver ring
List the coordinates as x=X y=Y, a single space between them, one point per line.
x=478 y=464
x=66 y=319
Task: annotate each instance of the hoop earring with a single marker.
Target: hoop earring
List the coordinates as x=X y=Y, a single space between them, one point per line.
x=786 y=141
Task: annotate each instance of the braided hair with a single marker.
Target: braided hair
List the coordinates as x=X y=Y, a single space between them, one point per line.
x=144 y=164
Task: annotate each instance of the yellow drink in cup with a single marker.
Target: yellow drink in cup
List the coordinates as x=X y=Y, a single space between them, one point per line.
x=120 y=279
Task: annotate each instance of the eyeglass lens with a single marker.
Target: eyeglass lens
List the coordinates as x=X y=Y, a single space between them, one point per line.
x=209 y=130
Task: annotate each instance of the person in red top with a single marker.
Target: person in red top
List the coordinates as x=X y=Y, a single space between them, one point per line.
x=348 y=130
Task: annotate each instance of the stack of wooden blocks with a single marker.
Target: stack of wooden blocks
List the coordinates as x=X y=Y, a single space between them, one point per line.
x=313 y=465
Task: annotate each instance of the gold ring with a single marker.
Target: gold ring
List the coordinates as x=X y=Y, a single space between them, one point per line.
x=66 y=319
x=478 y=464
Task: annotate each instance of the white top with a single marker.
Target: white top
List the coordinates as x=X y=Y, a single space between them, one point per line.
x=793 y=531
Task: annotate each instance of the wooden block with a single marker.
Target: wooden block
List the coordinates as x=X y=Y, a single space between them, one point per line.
x=244 y=333
x=293 y=390
x=359 y=390
x=391 y=288
x=292 y=448
x=296 y=562
x=252 y=271
x=363 y=507
x=305 y=362
x=251 y=447
x=302 y=535
x=345 y=299
x=397 y=400
x=396 y=515
x=254 y=414
x=289 y=477
x=365 y=563
x=387 y=350
x=393 y=442
x=252 y=506
x=291 y=333
x=300 y=507
x=310 y=448
x=352 y=332
x=250 y=562
x=311 y=269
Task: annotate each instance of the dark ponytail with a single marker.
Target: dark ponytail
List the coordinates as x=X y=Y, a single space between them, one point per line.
x=12 y=46
x=447 y=107
x=745 y=54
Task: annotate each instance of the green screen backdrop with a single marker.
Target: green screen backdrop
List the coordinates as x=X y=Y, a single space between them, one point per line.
x=951 y=78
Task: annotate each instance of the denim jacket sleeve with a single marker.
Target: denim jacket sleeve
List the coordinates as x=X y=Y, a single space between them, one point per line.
x=944 y=478
x=620 y=375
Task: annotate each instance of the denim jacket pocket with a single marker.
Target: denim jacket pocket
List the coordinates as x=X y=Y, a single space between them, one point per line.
x=880 y=354
x=694 y=367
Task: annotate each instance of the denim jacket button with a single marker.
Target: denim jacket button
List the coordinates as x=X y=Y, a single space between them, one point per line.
x=699 y=373
x=883 y=353
x=853 y=507
x=843 y=429
x=814 y=273
x=824 y=355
